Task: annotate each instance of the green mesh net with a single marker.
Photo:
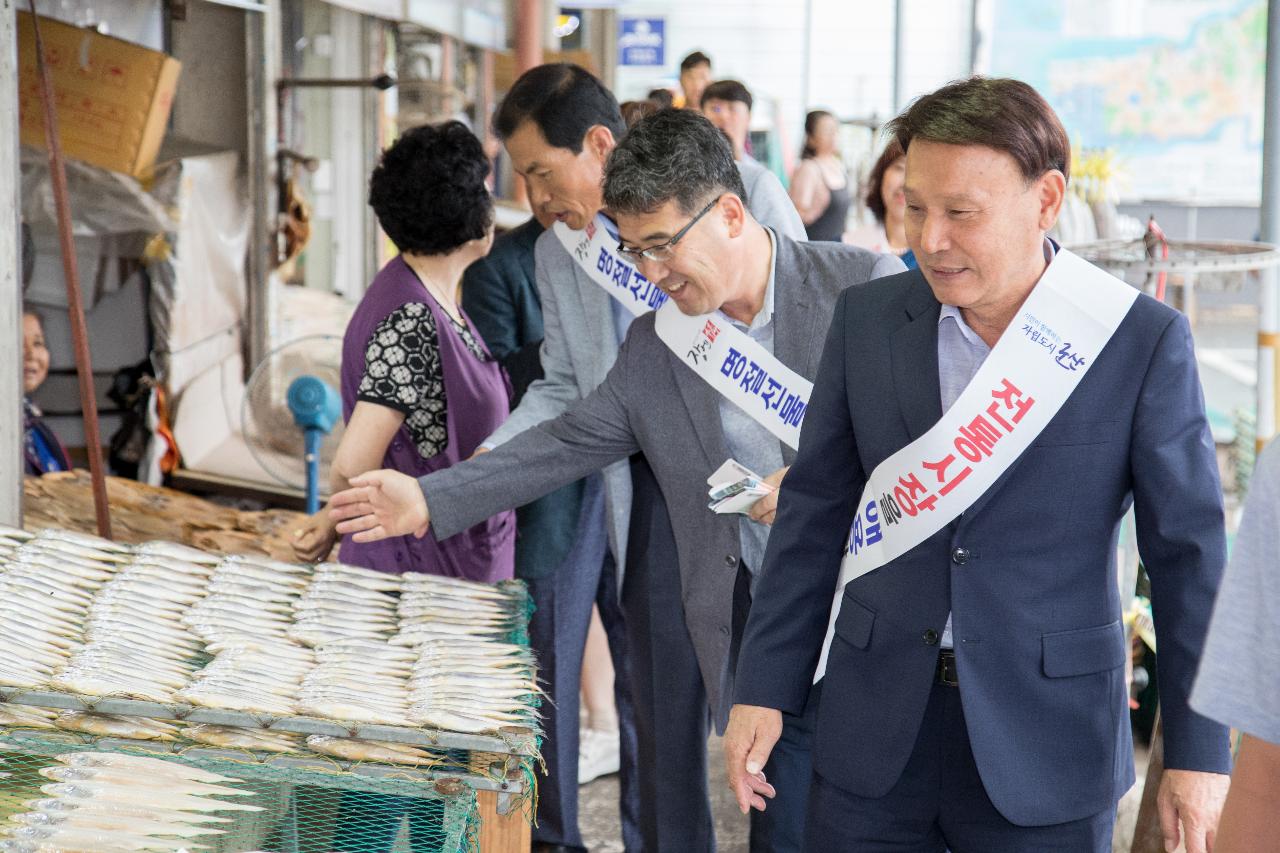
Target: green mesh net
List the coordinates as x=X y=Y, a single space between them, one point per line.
x=297 y=808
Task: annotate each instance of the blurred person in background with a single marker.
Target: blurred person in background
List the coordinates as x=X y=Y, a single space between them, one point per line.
x=695 y=74
x=1239 y=679
x=887 y=201
x=662 y=96
x=633 y=111
x=820 y=187
x=727 y=105
x=42 y=452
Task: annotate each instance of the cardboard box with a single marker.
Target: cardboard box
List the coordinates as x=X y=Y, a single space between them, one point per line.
x=113 y=97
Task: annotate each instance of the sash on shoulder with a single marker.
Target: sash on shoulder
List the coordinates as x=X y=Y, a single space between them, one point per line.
x=1032 y=371
x=724 y=356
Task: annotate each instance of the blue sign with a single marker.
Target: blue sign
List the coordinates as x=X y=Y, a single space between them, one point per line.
x=642 y=41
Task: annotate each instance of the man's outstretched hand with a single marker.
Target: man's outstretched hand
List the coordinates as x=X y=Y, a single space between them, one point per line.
x=379 y=505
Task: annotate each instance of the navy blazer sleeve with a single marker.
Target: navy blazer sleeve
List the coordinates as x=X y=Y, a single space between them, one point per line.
x=499 y=295
x=792 y=600
x=1178 y=507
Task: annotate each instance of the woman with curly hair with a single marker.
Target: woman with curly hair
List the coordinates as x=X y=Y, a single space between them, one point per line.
x=888 y=204
x=420 y=389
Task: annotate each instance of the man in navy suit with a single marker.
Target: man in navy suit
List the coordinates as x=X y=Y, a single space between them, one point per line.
x=974 y=695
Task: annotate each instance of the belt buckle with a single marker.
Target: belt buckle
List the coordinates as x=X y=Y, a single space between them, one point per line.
x=947 y=673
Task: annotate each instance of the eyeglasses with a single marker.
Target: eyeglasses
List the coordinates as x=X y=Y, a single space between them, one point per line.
x=663 y=252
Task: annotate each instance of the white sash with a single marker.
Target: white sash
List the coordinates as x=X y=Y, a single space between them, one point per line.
x=724 y=356
x=1033 y=369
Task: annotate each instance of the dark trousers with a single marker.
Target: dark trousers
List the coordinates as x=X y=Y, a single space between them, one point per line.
x=672 y=717
x=939 y=803
x=558 y=634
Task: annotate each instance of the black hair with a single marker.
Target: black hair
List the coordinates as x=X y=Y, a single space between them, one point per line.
x=875 y=202
x=998 y=112
x=633 y=111
x=563 y=100
x=672 y=155
x=693 y=60
x=662 y=97
x=810 y=127
x=727 y=90
x=428 y=189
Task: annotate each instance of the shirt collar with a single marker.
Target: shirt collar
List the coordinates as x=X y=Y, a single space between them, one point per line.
x=954 y=313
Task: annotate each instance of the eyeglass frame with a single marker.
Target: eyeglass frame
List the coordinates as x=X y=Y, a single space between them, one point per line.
x=635 y=255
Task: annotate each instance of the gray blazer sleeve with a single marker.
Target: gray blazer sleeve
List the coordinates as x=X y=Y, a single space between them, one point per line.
x=583 y=439
x=771 y=206
x=558 y=388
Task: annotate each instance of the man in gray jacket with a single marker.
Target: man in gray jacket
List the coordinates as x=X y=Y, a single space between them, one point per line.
x=677 y=198
x=559 y=125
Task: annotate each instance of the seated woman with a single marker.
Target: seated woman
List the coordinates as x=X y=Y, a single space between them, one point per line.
x=41 y=450
x=420 y=390
x=888 y=204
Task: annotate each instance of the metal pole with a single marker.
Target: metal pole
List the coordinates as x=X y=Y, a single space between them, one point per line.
x=11 y=465
x=262 y=61
x=898 y=64
x=1269 y=303
x=75 y=306
x=806 y=93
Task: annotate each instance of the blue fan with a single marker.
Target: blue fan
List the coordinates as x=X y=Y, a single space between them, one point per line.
x=292 y=413
x=316 y=408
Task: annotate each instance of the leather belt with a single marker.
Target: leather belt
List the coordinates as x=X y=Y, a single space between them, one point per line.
x=946 y=671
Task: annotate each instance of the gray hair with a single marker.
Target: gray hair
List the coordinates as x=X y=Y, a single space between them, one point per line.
x=672 y=155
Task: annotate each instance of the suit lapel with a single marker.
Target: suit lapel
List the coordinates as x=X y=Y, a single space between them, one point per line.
x=797 y=322
x=914 y=356
x=703 y=403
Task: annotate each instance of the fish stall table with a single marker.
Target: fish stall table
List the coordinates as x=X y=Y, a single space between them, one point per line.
x=358 y=703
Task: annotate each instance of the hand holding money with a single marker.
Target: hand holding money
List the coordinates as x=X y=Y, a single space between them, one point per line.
x=379 y=505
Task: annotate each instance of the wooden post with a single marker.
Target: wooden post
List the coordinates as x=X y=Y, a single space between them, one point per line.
x=1147 y=836
x=502 y=833
x=75 y=305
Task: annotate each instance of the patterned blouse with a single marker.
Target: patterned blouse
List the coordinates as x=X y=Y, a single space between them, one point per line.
x=402 y=371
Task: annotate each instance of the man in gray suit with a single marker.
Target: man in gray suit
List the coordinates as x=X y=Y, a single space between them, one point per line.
x=677 y=198
x=559 y=125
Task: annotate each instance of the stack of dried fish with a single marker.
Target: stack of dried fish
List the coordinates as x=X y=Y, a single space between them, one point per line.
x=385 y=752
x=360 y=680
x=237 y=737
x=464 y=677
x=47 y=583
x=108 y=802
x=244 y=621
x=135 y=643
x=116 y=725
x=470 y=685
x=346 y=602
x=26 y=717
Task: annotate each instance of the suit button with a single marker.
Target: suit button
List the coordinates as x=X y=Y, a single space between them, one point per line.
x=724 y=629
x=930 y=637
x=960 y=556
x=730 y=561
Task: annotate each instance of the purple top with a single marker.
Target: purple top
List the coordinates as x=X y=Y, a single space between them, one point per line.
x=403 y=351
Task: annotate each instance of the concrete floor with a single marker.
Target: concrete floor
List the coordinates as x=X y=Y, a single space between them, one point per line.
x=598 y=808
